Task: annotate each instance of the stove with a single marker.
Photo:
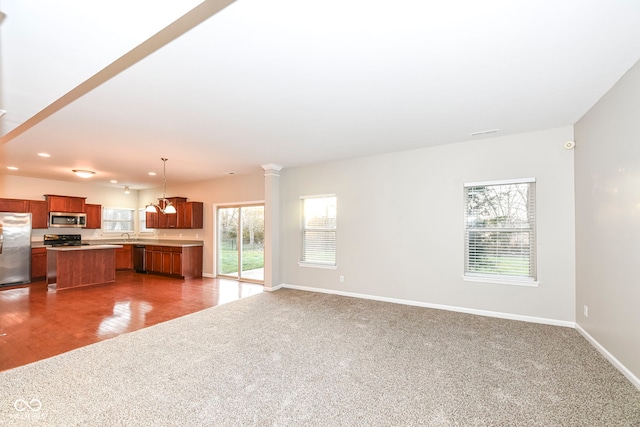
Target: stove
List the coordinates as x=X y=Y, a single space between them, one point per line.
x=63 y=240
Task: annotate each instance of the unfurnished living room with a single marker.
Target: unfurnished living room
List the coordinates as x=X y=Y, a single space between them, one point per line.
x=349 y=213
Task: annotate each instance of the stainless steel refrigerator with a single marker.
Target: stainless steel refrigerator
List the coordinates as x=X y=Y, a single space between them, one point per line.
x=15 y=248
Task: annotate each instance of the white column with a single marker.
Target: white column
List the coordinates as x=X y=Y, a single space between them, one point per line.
x=271 y=226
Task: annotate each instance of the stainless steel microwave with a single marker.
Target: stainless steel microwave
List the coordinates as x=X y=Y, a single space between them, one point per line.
x=67 y=220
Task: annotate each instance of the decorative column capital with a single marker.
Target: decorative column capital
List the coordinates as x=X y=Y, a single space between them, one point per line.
x=271 y=169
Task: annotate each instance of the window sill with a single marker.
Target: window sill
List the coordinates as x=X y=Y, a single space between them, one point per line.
x=498 y=281
x=312 y=265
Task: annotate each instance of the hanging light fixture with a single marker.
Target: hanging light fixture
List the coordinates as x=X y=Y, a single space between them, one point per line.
x=164 y=205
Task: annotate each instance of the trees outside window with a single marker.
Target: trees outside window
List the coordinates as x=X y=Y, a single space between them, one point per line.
x=500 y=230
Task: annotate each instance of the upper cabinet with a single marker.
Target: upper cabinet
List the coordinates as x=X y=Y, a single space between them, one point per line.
x=37 y=208
x=39 y=213
x=13 y=205
x=94 y=215
x=65 y=203
x=188 y=215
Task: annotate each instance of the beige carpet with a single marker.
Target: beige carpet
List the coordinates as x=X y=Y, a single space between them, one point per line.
x=293 y=358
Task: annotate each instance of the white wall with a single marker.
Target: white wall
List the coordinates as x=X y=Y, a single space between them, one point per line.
x=400 y=223
x=14 y=187
x=608 y=221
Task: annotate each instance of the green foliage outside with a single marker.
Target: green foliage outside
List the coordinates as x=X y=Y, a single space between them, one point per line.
x=252 y=258
x=509 y=266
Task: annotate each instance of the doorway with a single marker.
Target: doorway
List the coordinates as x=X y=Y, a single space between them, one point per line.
x=241 y=242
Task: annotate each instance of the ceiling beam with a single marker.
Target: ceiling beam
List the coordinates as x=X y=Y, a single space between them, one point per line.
x=191 y=19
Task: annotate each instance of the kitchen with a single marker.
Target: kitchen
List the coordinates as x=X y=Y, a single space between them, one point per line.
x=212 y=193
x=71 y=260
x=82 y=316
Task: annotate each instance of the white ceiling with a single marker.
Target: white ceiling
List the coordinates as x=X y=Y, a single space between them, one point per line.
x=290 y=82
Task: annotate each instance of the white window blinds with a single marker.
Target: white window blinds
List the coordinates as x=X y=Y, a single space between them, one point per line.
x=117 y=220
x=500 y=232
x=318 y=225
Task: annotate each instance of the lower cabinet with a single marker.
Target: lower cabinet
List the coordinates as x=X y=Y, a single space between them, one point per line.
x=38 y=264
x=184 y=262
x=124 y=257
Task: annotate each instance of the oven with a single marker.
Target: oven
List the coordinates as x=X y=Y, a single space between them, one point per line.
x=63 y=240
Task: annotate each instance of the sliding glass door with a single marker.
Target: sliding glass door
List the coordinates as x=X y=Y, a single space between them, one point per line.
x=241 y=242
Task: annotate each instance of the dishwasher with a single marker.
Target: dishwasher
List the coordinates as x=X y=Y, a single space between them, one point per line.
x=138 y=258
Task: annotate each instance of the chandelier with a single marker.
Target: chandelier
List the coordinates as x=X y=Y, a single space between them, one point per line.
x=163 y=205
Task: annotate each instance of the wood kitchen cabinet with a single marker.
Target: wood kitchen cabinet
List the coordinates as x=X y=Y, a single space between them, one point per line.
x=94 y=215
x=38 y=264
x=65 y=203
x=13 y=205
x=184 y=262
x=39 y=213
x=124 y=257
x=188 y=215
x=151 y=219
x=38 y=209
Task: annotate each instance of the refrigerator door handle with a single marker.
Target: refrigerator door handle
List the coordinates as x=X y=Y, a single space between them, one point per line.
x=1 y=238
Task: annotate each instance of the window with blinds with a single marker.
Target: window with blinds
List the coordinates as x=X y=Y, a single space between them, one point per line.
x=500 y=230
x=117 y=220
x=318 y=224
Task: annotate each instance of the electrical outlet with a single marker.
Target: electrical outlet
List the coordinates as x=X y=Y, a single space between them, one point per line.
x=586 y=311
x=341 y=279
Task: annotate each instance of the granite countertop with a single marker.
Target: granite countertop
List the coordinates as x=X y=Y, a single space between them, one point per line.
x=120 y=242
x=173 y=243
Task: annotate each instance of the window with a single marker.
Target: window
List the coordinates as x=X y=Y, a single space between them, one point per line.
x=142 y=217
x=319 y=231
x=117 y=220
x=500 y=232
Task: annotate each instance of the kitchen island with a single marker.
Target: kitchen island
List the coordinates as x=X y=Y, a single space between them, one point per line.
x=76 y=266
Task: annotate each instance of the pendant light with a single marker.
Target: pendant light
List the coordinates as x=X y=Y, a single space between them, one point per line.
x=168 y=206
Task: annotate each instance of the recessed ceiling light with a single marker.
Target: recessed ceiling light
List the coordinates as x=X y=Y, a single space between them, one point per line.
x=113 y=181
x=44 y=154
x=82 y=173
x=152 y=173
x=12 y=168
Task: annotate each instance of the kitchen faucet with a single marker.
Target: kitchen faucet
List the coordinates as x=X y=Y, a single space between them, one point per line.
x=128 y=236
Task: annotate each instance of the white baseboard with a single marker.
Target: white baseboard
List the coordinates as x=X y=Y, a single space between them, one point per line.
x=208 y=275
x=615 y=362
x=274 y=288
x=497 y=314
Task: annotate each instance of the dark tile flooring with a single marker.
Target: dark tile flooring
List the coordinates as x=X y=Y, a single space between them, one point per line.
x=37 y=322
